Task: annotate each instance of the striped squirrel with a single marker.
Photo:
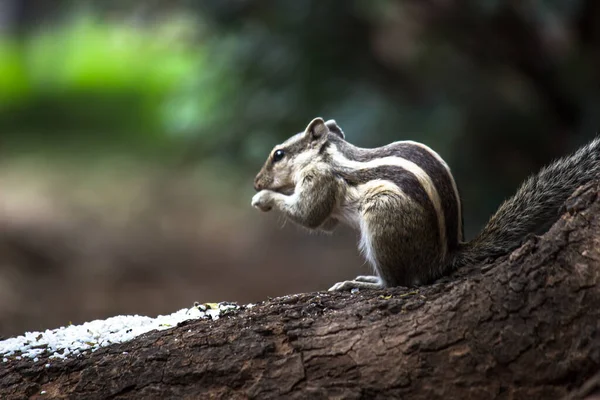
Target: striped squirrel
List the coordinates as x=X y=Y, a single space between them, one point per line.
x=404 y=201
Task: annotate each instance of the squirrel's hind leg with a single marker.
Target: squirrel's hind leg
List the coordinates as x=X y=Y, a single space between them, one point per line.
x=399 y=238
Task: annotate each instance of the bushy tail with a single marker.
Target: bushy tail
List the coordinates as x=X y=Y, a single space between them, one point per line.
x=535 y=206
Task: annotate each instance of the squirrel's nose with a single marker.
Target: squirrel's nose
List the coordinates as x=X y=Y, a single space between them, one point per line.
x=257 y=184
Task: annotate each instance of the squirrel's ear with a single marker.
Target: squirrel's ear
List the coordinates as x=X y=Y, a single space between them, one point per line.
x=316 y=129
x=335 y=128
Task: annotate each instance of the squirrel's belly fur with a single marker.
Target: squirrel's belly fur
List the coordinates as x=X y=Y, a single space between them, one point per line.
x=403 y=199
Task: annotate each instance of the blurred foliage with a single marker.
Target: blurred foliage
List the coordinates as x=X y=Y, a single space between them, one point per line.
x=95 y=82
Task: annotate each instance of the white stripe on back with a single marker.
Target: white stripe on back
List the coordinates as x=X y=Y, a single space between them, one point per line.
x=454 y=187
x=410 y=166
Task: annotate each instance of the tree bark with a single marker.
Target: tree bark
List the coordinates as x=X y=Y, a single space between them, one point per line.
x=526 y=326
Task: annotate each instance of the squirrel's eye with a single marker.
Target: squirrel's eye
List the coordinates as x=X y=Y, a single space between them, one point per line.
x=278 y=155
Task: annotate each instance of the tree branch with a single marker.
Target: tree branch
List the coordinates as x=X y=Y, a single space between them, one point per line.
x=526 y=326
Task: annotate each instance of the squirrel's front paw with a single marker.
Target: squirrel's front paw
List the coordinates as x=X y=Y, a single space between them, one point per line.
x=263 y=200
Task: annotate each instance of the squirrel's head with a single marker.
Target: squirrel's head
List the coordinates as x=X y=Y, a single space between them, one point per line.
x=287 y=159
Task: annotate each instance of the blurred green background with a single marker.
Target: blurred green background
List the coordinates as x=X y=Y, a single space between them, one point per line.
x=130 y=133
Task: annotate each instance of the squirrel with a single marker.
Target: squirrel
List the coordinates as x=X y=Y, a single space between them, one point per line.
x=403 y=200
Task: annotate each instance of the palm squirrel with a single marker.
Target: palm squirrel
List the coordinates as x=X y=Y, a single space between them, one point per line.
x=404 y=201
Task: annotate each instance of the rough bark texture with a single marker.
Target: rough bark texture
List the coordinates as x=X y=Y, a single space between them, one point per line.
x=524 y=327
